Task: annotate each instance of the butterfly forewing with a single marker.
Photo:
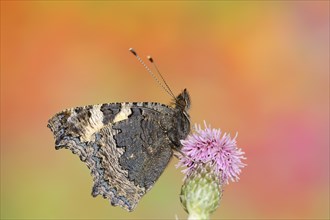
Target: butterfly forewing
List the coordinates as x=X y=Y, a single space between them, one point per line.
x=126 y=146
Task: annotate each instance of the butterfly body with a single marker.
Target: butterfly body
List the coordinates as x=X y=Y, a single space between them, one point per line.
x=126 y=146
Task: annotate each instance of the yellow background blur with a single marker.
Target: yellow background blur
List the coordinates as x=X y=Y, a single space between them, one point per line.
x=258 y=68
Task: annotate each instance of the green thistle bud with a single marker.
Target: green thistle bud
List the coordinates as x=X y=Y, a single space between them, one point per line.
x=210 y=161
x=201 y=192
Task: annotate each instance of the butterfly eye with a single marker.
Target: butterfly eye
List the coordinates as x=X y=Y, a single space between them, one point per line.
x=182 y=103
x=186 y=98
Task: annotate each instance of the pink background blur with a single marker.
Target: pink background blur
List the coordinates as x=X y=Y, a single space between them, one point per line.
x=258 y=68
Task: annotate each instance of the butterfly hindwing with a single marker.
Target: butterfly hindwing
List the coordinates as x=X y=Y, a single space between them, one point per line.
x=125 y=146
x=147 y=149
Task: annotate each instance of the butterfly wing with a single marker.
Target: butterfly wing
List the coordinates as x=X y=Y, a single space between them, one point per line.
x=124 y=145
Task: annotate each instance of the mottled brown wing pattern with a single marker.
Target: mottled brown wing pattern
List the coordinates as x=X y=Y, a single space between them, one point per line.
x=124 y=145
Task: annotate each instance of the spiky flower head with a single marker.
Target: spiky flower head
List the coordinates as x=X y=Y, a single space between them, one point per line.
x=207 y=146
x=210 y=161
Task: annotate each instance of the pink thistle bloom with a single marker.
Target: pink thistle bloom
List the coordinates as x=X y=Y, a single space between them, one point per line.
x=207 y=146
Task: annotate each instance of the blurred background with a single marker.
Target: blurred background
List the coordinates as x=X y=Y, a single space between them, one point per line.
x=257 y=68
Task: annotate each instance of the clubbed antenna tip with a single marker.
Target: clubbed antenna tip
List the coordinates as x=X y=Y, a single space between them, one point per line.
x=150 y=59
x=165 y=87
x=132 y=51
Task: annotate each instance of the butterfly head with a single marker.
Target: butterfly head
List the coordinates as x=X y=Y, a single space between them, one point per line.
x=182 y=101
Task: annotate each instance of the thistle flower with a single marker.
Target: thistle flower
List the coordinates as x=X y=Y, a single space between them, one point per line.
x=207 y=146
x=210 y=161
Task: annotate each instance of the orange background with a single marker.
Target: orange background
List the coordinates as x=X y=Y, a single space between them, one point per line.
x=258 y=68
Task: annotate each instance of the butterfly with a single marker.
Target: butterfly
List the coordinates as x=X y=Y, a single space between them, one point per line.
x=125 y=145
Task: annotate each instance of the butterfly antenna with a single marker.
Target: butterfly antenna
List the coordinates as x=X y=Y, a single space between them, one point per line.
x=161 y=76
x=151 y=73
